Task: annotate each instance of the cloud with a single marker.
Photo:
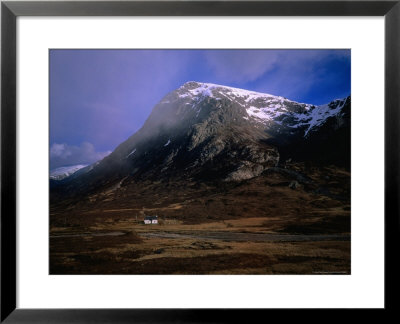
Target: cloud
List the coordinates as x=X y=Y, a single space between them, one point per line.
x=64 y=154
x=242 y=65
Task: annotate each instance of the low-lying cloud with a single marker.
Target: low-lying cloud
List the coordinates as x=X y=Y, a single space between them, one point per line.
x=65 y=155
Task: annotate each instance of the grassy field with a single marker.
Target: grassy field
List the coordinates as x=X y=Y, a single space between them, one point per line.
x=125 y=247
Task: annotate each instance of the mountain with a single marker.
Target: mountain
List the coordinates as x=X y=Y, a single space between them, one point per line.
x=211 y=134
x=63 y=172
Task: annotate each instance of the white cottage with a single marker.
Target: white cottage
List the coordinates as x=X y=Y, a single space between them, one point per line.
x=151 y=220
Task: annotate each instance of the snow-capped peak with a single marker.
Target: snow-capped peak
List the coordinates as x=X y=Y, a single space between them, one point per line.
x=259 y=108
x=246 y=98
x=193 y=88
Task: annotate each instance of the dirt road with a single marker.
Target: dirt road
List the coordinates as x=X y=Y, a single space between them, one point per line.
x=226 y=236
x=254 y=237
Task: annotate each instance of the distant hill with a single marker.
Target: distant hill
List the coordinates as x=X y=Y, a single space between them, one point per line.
x=63 y=172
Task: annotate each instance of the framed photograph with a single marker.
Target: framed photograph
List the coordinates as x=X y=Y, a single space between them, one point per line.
x=194 y=161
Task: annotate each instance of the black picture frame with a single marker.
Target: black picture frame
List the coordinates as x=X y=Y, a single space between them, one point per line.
x=10 y=10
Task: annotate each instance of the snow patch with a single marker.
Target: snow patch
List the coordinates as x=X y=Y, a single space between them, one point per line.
x=166 y=144
x=134 y=150
x=63 y=172
x=265 y=113
x=319 y=114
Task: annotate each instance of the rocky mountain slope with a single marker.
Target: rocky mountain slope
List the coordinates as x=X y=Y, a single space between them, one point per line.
x=216 y=134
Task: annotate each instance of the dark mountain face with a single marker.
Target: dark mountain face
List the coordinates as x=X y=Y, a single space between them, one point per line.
x=215 y=134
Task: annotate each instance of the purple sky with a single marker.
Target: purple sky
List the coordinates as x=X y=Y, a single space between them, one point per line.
x=98 y=98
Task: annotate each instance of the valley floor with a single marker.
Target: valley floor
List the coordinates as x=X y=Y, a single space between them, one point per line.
x=231 y=247
x=259 y=227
